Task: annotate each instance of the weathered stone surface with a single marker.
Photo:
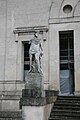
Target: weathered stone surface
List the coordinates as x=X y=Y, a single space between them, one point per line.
x=29 y=98
x=34 y=81
x=11 y=119
x=11 y=17
x=10 y=115
x=30 y=93
x=36 y=101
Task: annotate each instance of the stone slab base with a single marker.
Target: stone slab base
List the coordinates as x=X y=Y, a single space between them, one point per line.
x=35 y=83
x=28 y=98
x=10 y=115
x=34 y=80
x=77 y=93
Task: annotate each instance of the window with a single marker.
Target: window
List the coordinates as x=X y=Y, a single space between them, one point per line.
x=26 y=59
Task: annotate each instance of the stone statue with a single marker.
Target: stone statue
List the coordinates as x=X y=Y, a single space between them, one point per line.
x=35 y=52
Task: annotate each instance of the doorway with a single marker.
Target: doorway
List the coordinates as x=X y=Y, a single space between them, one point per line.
x=26 y=59
x=66 y=57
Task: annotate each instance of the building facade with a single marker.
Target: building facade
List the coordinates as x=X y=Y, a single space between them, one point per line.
x=58 y=24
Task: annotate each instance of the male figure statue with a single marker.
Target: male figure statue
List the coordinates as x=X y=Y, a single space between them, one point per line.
x=35 y=52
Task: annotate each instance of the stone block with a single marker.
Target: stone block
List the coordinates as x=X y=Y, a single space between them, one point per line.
x=35 y=82
x=12 y=105
x=33 y=113
x=10 y=87
x=1 y=87
x=10 y=72
x=1 y=66
x=10 y=115
x=20 y=87
x=0 y=105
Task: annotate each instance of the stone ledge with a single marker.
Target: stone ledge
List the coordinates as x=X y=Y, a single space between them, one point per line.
x=36 y=101
x=9 y=97
x=29 y=98
x=64 y=20
x=10 y=114
x=13 y=93
x=10 y=118
x=31 y=92
x=49 y=93
x=30 y=29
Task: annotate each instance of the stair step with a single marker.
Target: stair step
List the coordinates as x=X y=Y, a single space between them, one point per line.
x=66 y=108
x=66 y=111
x=66 y=104
x=64 y=118
x=69 y=101
x=65 y=114
x=10 y=115
x=68 y=97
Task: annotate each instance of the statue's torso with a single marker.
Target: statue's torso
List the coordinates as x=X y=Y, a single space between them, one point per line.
x=35 y=46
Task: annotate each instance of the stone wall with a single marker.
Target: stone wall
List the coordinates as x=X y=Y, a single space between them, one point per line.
x=7 y=115
x=22 y=13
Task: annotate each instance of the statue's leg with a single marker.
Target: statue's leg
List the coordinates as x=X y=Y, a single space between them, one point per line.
x=30 y=62
x=40 y=65
x=38 y=61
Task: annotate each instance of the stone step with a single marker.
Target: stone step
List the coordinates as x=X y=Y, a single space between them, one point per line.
x=67 y=104
x=64 y=118
x=10 y=115
x=68 y=98
x=69 y=101
x=10 y=118
x=65 y=113
x=66 y=108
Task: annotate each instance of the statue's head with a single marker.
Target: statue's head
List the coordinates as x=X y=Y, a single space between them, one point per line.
x=36 y=34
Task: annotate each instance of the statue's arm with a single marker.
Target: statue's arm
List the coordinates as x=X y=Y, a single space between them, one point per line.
x=30 y=41
x=41 y=47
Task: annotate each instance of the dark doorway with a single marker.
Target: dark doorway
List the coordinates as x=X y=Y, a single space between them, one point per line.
x=26 y=59
x=66 y=62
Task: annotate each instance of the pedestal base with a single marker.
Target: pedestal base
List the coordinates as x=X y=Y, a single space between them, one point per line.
x=35 y=82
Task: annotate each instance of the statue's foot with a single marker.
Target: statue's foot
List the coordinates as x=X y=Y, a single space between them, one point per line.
x=30 y=71
x=39 y=71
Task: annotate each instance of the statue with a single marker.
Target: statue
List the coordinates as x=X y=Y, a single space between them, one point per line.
x=35 y=53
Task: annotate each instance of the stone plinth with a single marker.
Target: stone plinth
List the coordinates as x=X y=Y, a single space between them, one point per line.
x=34 y=102
x=35 y=108
x=34 y=82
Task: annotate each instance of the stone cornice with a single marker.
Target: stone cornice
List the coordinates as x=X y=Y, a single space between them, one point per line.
x=64 y=20
x=42 y=101
x=29 y=99
x=30 y=29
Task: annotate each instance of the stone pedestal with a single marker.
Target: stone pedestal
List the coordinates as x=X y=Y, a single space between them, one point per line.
x=35 y=82
x=33 y=113
x=34 y=102
x=36 y=108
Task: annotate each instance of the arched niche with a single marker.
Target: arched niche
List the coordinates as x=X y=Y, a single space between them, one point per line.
x=77 y=9
x=64 y=9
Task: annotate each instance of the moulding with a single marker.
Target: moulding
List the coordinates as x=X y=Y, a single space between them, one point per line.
x=30 y=29
x=64 y=20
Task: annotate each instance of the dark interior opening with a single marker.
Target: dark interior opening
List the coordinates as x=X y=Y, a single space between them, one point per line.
x=26 y=56
x=26 y=59
x=66 y=46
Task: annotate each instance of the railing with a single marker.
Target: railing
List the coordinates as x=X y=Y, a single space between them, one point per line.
x=67 y=56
